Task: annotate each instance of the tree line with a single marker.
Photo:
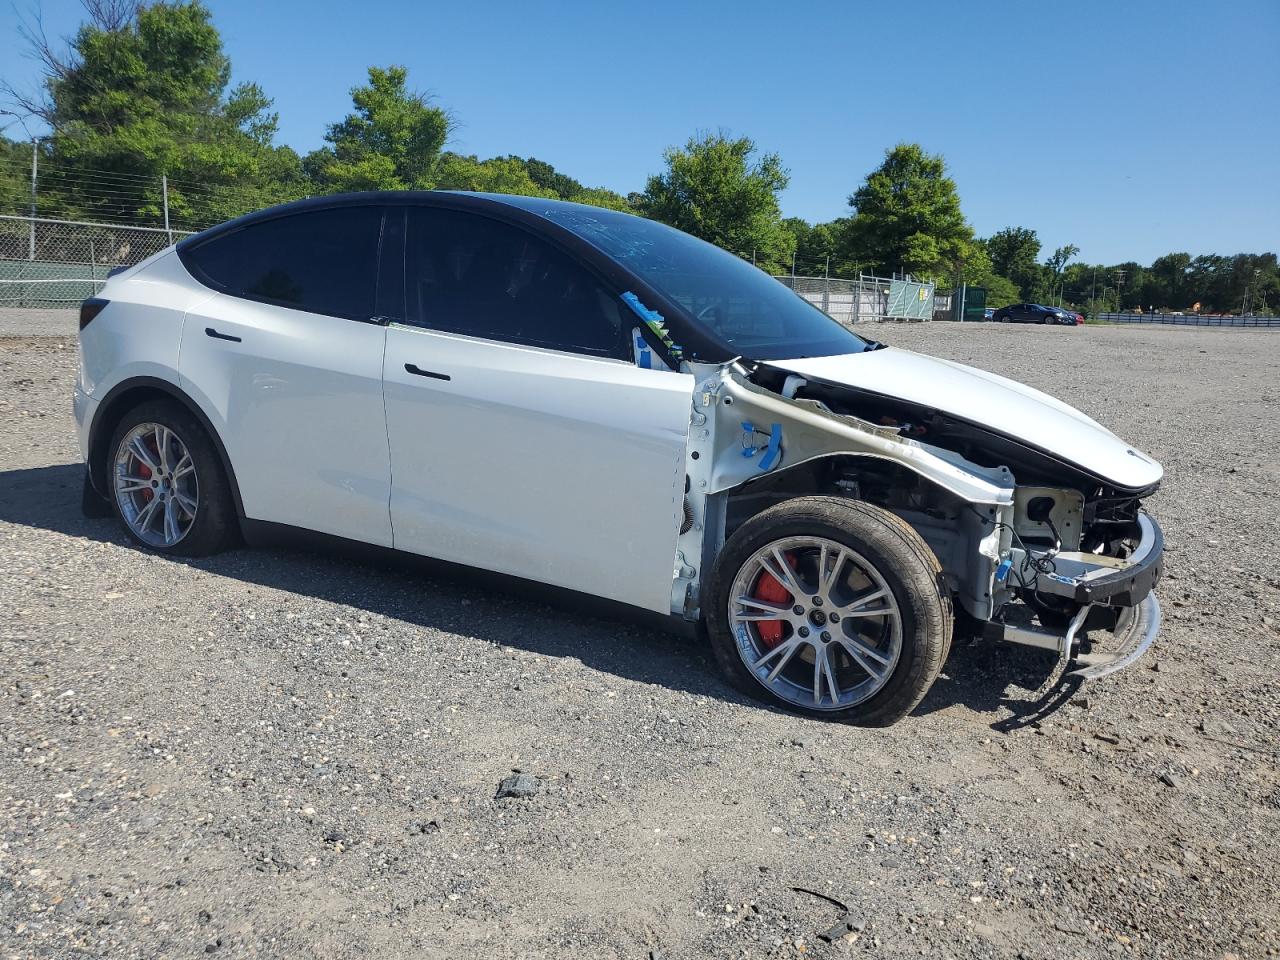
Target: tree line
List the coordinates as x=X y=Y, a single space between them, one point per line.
x=143 y=91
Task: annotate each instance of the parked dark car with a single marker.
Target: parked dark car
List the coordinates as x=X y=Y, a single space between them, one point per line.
x=1034 y=313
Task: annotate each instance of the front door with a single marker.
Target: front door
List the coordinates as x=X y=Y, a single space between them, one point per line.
x=523 y=439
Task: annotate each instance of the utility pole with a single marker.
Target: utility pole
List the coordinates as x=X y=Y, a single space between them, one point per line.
x=35 y=166
x=164 y=191
x=1119 y=275
x=793 y=265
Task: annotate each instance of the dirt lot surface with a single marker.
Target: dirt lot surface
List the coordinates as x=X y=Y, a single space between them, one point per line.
x=280 y=754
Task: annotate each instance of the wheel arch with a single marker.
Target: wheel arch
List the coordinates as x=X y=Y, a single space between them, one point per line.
x=124 y=397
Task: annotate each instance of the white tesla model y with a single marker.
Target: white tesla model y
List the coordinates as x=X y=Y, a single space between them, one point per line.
x=596 y=401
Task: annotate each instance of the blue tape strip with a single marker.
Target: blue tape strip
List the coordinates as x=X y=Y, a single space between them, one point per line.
x=654 y=321
x=774 y=450
x=644 y=356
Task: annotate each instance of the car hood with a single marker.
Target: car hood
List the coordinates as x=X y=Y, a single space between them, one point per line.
x=991 y=401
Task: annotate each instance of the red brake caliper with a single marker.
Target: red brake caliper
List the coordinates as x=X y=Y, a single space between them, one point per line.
x=769 y=589
x=145 y=473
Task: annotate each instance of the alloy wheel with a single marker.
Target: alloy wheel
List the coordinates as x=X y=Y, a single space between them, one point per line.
x=815 y=623
x=155 y=484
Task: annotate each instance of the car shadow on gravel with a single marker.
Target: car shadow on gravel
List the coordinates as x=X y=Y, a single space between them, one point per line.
x=552 y=622
x=1019 y=686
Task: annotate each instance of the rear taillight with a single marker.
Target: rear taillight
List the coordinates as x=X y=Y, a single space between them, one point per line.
x=90 y=309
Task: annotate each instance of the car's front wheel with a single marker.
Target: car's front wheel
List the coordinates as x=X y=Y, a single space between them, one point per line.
x=167 y=483
x=831 y=607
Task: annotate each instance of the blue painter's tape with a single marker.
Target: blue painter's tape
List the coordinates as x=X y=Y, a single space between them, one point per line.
x=644 y=356
x=774 y=450
x=654 y=321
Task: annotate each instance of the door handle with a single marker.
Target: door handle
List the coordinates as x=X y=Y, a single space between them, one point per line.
x=419 y=372
x=210 y=332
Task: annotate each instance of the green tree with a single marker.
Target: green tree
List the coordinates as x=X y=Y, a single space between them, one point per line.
x=143 y=91
x=1000 y=291
x=498 y=175
x=15 y=189
x=391 y=141
x=907 y=217
x=818 y=247
x=716 y=187
x=1015 y=252
x=552 y=183
x=1054 y=266
x=601 y=197
x=1170 y=277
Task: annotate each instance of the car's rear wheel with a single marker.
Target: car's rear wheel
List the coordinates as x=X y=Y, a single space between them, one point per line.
x=831 y=607
x=167 y=484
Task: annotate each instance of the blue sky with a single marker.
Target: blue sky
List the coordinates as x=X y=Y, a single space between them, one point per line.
x=1130 y=129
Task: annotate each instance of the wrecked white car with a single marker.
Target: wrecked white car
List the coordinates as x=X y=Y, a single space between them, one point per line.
x=595 y=401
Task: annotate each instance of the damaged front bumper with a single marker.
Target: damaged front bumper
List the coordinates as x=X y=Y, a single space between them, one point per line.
x=1115 y=596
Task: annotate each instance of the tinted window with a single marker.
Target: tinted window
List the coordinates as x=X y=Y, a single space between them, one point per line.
x=742 y=307
x=324 y=261
x=468 y=274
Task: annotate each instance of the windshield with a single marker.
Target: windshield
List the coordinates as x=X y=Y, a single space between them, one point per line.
x=751 y=313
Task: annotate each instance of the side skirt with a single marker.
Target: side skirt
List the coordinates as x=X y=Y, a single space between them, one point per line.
x=266 y=534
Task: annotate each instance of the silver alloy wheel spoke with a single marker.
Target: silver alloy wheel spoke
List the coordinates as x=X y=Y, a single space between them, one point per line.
x=162 y=445
x=822 y=672
x=858 y=607
x=828 y=580
x=156 y=485
x=171 y=532
x=869 y=659
x=781 y=571
x=148 y=513
x=139 y=450
x=847 y=586
x=784 y=652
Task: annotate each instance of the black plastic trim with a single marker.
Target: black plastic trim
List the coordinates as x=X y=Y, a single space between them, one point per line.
x=1130 y=586
x=417 y=371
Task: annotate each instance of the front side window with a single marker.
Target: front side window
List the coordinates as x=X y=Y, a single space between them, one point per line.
x=472 y=275
x=743 y=308
x=321 y=261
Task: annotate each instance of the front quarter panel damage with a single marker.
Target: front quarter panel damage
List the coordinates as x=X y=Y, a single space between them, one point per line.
x=741 y=433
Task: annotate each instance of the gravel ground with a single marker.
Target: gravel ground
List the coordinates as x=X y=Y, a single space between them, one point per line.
x=42 y=323
x=280 y=754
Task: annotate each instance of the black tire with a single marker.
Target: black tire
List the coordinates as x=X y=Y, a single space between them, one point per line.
x=901 y=557
x=214 y=528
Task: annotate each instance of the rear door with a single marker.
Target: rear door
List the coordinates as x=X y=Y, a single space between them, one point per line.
x=287 y=363
x=524 y=439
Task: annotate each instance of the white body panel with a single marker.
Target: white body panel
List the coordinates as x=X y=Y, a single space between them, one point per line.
x=138 y=334
x=560 y=468
x=298 y=404
x=1002 y=405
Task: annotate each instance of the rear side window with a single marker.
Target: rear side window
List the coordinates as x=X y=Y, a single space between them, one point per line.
x=468 y=274
x=322 y=261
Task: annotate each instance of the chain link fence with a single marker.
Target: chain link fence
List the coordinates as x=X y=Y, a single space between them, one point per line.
x=57 y=263
x=47 y=263
x=867 y=298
